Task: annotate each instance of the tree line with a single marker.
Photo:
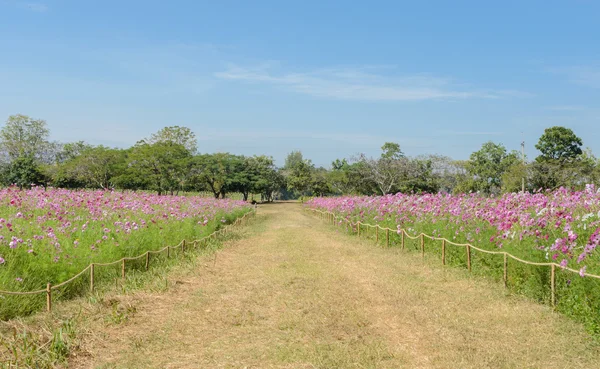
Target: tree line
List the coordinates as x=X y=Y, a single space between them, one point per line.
x=490 y=170
x=168 y=162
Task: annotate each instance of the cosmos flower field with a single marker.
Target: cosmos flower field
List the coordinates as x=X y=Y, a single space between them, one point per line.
x=51 y=235
x=559 y=226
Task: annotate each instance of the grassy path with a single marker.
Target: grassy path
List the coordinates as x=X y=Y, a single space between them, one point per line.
x=296 y=294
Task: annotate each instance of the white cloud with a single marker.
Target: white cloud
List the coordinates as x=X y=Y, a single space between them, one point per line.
x=360 y=84
x=581 y=75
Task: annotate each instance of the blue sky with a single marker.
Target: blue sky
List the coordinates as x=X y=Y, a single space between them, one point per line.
x=330 y=78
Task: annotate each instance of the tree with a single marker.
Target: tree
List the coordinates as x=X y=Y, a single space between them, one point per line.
x=299 y=177
x=23 y=136
x=387 y=171
x=298 y=173
x=488 y=164
x=215 y=172
x=96 y=167
x=319 y=185
x=391 y=151
x=23 y=172
x=163 y=165
x=176 y=135
x=293 y=159
x=559 y=144
x=266 y=180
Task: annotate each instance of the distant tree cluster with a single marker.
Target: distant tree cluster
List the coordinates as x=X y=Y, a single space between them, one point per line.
x=490 y=170
x=168 y=162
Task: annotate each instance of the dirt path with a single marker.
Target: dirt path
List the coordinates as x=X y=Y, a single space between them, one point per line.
x=296 y=294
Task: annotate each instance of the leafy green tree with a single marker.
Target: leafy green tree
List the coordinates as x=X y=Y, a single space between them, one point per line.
x=176 y=135
x=512 y=178
x=96 y=167
x=266 y=179
x=559 y=144
x=293 y=159
x=298 y=173
x=23 y=136
x=319 y=185
x=487 y=166
x=391 y=151
x=23 y=171
x=561 y=162
x=213 y=172
x=163 y=165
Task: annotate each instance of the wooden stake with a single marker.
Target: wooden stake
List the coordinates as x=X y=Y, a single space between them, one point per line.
x=469 y=257
x=403 y=239
x=553 y=285
x=147 y=259
x=505 y=270
x=422 y=246
x=183 y=246
x=376 y=234
x=49 y=297
x=92 y=277
x=387 y=237
x=123 y=269
x=443 y=252
x=358 y=229
x=168 y=252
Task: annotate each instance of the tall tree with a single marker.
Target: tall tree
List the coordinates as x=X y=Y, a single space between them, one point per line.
x=177 y=135
x=388 y=170
x=23 y=136
x=559 y=144
x=488 y=164
x=163 y=165
x=96 y=167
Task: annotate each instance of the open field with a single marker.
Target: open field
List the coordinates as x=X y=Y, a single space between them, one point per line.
x=297 y=294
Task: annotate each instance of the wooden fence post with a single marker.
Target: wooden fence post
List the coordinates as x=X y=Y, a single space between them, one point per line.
x=387 y=237
x=147 y=259
x=403 y=239
x=553 y=285
x=505 y=270
x=123 y=269
x=443 y=252
x=469 y=257
x=358 y=227
x=49 y=297
x=92 y=277
x=422 y=246
x=168 y=252
x=377 y=234
x=183 y=245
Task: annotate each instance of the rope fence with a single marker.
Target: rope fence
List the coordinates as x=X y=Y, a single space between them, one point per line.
x=333 y=218
x=91 y=269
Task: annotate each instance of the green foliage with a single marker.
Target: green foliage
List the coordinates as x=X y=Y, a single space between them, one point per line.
x=298 y=173
x=176 y=135
x=488 y=165
x=23 y=171
x=559 y=144
x=391 y=150
x=162 y=165
x=23 y=136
